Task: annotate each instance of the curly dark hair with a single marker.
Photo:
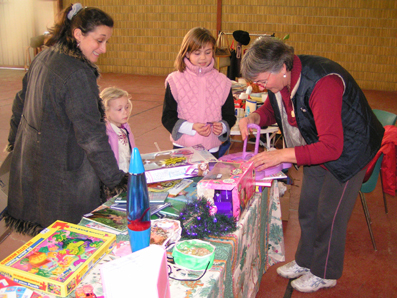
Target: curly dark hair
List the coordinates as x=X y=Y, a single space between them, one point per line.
x=87 y=19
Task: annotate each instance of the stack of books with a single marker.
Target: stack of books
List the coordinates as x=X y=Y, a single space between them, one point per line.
x=167 y=198
x=157 y=203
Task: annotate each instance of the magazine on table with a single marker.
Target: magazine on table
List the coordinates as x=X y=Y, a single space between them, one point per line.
x=154 y=208
x=109 y=217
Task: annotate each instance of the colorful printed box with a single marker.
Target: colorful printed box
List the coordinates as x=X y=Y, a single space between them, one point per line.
x=177 y=164
x=230 y=185
x=56 y=260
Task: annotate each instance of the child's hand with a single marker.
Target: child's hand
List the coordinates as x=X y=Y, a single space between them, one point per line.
x=202 y=129
x=217 y=128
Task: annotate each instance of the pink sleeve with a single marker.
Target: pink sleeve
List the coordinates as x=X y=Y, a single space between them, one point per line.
x=326 y=105
x=113 y=141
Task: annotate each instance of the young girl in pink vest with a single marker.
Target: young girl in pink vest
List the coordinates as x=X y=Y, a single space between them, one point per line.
x=118 y=109
x=198 y=105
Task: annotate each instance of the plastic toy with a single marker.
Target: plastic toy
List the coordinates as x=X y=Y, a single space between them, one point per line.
x=245 y=156
x=85 y=291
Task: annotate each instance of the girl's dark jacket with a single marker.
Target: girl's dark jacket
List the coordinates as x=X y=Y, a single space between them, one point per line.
x=61 y=150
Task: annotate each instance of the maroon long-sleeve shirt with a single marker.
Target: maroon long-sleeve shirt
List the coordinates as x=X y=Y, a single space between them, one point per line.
x=326 y=105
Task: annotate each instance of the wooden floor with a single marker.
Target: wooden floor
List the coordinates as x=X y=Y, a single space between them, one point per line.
x=366 y=273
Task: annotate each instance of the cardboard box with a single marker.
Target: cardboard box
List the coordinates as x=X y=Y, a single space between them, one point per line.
x=56 y=260
x=230 y=185
x=177 y=164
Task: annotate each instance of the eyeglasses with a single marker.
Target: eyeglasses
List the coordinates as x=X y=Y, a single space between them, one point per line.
x=263 y=83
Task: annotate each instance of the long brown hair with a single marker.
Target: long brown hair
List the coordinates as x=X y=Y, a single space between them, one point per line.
x=195 y=39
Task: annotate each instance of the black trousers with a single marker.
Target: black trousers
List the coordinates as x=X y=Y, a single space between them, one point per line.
x=324 y=210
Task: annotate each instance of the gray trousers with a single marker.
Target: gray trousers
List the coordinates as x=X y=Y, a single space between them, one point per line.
x=324 y=210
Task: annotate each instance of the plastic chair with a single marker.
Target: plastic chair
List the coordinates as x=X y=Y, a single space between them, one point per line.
x=367 y=187
x=385 y=118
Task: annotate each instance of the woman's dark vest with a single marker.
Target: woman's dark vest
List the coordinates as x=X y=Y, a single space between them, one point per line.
x=362 y=132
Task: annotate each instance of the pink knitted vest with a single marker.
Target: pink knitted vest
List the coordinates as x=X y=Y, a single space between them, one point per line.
x=200 y=94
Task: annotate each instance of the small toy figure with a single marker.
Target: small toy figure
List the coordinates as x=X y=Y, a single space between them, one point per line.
x=85 y=291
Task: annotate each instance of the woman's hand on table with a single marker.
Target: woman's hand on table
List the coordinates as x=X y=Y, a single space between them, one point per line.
x=202 y=129
x=273 y=158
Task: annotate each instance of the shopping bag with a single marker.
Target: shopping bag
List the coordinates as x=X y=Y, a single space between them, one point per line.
x=222 y=46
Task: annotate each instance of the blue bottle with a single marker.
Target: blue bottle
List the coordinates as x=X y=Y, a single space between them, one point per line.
x=138 y=207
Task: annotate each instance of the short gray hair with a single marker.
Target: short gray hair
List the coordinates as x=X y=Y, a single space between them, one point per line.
x=267 y=54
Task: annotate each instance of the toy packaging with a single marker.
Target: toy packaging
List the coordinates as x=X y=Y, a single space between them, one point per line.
x=229 y=185
x=56 y=260
x=177 y=164
x=245 y=156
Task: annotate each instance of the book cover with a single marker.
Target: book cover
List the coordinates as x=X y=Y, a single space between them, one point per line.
x=109 y=217
x=177 y=163
x=178 y=188
x=162 y=186
x=175 y=209
x=56 y=260
x=154 y=208
x=189 y=193
x=157 y=197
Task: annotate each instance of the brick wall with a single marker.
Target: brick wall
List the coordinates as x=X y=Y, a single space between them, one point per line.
x=361 y=35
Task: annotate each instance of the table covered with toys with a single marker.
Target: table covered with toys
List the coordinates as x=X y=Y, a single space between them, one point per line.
x=213 y=234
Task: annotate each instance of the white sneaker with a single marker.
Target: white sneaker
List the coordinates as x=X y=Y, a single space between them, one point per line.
x=292 y=270
x=311 y=283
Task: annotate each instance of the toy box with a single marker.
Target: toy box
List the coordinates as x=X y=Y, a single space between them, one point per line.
x=177 y=164
x=229 y=185
x=56 y=260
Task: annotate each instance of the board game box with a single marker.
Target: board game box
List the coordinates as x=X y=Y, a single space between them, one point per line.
x=56 y=260
x=177 y=163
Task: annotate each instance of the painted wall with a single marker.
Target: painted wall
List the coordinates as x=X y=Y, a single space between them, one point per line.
x=20 y=20
x=361 y=35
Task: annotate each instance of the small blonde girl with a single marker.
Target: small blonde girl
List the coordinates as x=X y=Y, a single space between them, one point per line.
x=118 y=109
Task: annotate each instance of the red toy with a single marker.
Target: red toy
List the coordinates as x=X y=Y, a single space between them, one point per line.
x=85 y=291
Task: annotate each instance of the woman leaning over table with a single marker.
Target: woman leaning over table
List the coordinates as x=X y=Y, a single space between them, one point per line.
x=330 y=129
x=58 y=137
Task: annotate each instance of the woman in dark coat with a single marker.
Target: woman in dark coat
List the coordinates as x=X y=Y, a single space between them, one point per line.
x=61 y=153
